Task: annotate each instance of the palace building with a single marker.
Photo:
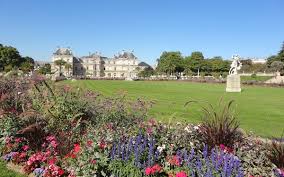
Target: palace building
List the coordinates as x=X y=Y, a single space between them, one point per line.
x=123 y=65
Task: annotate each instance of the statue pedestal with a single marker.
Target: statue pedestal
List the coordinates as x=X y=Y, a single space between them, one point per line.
x=233 y=83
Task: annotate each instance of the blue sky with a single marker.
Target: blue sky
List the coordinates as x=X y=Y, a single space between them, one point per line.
x=252 y=28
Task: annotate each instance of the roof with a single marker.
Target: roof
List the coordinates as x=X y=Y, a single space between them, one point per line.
x=143 y=64
x=63 y=51
x=128 y=55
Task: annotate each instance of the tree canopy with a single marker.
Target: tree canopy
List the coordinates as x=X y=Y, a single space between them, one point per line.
x=10 y=58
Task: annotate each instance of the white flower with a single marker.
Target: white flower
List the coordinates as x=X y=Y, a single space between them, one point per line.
x=161 y=148
x=187 y=129
x=196 y=127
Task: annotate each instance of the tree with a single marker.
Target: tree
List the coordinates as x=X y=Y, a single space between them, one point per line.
x=170 y=63
x=277 y=66
x=147 y=72
x=26 y=67
x=60 y=63
x=46 y=69
x=281 y=53
x=68 y=66
x=27 y=64
x=9 y=56
x=197 y=56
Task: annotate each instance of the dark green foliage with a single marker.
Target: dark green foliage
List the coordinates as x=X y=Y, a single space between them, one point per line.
x=170 y=63
x=147 y=72
x=10 y=58
x=46 y=69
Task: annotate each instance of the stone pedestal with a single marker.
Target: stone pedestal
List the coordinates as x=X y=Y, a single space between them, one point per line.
x=233 y=83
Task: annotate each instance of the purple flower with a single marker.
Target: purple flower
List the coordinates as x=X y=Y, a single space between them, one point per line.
x=38 y=172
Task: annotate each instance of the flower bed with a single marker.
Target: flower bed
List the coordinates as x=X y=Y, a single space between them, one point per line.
x=58 y=131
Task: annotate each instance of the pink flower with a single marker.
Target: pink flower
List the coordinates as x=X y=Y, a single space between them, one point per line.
x=50 y=138
x=53 y=143
x=181 y=174
x=23 y=155
x=25 y=147
x=222 y=147
x=148 y=171
x=47 y=153
x=18 y=140
x=29 y=162
x=52 y=161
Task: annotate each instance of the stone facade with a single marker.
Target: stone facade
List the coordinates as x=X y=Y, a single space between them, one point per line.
x=124 y=65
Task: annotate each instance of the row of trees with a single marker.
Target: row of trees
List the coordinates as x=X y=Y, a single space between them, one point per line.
x=10 y=58
x=173 y=63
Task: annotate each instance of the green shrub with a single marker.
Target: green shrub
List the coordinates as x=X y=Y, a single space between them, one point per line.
x=254 y=156
x=253 y=76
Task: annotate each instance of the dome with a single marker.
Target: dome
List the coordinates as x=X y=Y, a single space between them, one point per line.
x=128 y=55
x=63 y=51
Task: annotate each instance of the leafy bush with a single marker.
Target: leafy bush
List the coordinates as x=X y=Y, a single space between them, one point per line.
x=219 y=125
x=254 y=156
x=253 y=76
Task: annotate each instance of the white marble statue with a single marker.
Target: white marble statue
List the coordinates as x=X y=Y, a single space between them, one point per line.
x=236 y=65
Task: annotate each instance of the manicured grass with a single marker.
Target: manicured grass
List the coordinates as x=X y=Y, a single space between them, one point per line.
x=259 y=109
x=257 y=78
x=4 y=172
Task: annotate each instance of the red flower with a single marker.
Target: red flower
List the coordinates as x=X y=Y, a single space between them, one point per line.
x=77 y=148
x=226 y=149
x=174 y=160
x=89 y=142
x=93 y=161
x=60 y=172
x=102 y=145
x=181 y=174
x=148 y=171
x=156 y=168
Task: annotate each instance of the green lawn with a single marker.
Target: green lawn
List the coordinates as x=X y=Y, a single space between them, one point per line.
x=4 y=172
x=257 y=78
x=259 y=109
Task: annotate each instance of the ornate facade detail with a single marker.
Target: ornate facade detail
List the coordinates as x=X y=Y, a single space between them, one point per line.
x=123 y=65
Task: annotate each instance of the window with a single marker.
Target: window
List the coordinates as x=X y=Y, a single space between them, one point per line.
x=75 y=68
x=115 y=68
